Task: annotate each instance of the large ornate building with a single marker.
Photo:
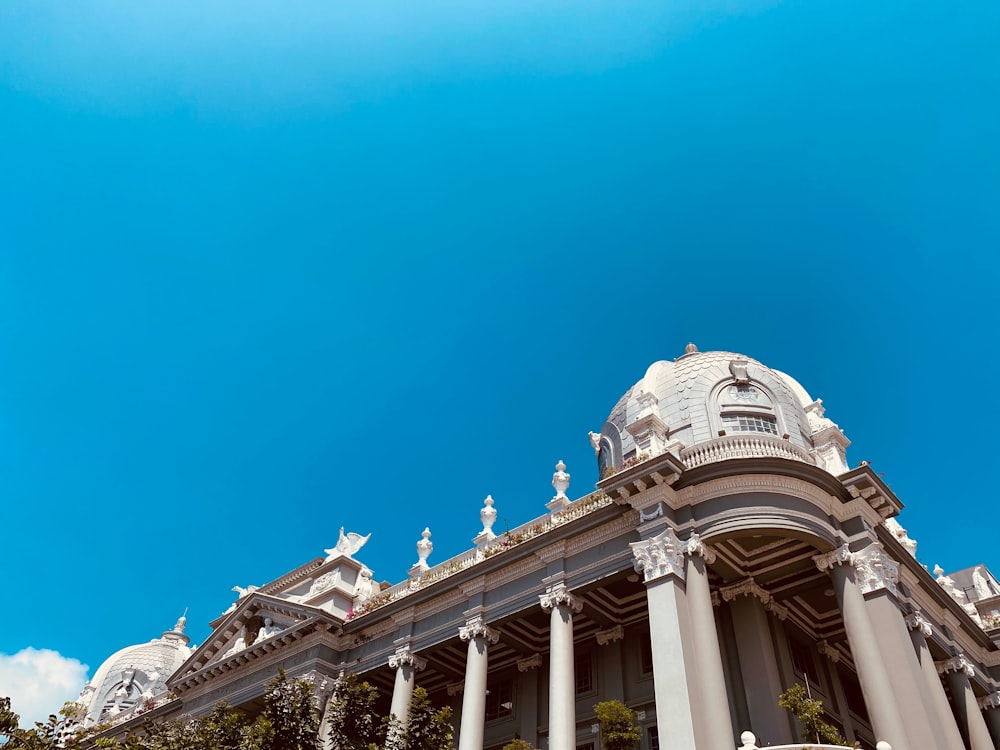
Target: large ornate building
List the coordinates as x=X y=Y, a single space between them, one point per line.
x=729 y=553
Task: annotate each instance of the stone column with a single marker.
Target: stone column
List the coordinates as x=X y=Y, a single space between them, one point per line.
x=707 y=654
x=660 y=560
x=758 y=662
x=991 y=709
x=479 y=636
x=958 y=672
x=610 y=673
x=562 y=685
x=406 y=664
x=527 y=697
x=939 y=709
x=876 y=686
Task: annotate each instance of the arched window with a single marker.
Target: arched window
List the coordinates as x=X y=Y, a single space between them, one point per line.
x=745 y=408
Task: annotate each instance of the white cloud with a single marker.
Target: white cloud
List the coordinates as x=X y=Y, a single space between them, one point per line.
x=39 y=681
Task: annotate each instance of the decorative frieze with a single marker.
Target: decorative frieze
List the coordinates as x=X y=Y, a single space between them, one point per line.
x=604 y=637
x=957 y=664
x=476 y=627
x=559 y=594
x=657 y=512
x=405 y=657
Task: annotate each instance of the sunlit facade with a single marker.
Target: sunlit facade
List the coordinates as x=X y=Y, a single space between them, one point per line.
x=729 y=553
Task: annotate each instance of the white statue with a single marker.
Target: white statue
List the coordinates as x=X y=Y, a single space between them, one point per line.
x=347 y=544
x=244 y=591
x=267 y=629
x=983 y=588
x=595 y=441
x=365 y=586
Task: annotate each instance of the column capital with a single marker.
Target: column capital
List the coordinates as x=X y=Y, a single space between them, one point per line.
x=405 y=657
x=476 y=627
x=558 y=594
x=875 y=569
x=917 y=621
x=956 y=664
x=990 y=701
x=531 y=662
x=604 y=637
x=659 y=556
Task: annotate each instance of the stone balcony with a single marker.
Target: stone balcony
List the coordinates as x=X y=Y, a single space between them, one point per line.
x=742 y=445
x=749 y=740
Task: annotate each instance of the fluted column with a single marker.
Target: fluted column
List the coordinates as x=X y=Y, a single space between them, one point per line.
x=407 y=664
x=958 y=672
x=872 y=673
x=943 y=718
x=991 y=710
x=707 y=654
x=660 y=560
x=562 y=687
x=479 y=636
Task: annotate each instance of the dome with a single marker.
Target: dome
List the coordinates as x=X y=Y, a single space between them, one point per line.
x=712 y=406
x=135 y=674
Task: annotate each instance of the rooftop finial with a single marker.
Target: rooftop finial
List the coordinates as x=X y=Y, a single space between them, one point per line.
x=690 y=348
x=181 y=622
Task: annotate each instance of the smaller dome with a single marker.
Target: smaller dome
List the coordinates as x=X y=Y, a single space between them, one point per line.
x=134 y=674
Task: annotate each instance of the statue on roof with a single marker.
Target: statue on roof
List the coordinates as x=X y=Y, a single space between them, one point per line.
x=347 y=545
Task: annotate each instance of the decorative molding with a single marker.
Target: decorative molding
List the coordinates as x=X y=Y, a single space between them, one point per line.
x=604 y=637
x=746 y=587
x=476 y=627
x=957 y=663
x=656 y=513
x=917 y=621
x=455 y=688
x=659 y=556
x=440 y=603
x=745 y=483
x=512 y=572
x=552 y=552
x=475 y=586
x=405 y=657
x=559 y=594
x=531 y=662
x=601 y=534
x=828 y=560
x=695 y=546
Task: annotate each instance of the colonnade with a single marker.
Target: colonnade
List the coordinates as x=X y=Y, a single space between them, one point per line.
x=900 y=681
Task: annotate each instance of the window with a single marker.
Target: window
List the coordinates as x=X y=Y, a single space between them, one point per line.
x=584 y=668
x=646 y=655
x=654 y=739
x=802 y=661
x=588 y=746
x=500 y=700
x=750 y=423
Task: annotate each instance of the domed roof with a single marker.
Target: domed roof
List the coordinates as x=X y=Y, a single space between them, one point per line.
x=716 y=398
x=135 y=673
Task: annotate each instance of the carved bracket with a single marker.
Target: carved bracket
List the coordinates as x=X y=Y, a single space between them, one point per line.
x=604 y=637
x=531 y=662
x=917 y=621
x=957 y=664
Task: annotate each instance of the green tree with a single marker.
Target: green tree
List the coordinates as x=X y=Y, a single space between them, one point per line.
x=518 y=744
x=289 y=708
x=619 y=730
x=427 y=728
x=353 y=721
x=809 y=712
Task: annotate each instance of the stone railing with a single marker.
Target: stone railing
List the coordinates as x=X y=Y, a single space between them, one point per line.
x=743 y=445
x=749 y=740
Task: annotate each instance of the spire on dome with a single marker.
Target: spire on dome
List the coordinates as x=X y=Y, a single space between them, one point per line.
x=690 y=348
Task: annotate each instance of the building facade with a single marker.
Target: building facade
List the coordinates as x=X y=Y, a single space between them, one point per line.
x=728 y=553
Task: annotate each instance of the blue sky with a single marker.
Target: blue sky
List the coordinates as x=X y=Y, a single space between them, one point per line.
x=267 y=270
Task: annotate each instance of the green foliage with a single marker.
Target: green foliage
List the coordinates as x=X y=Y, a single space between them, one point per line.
x=619 y=730
x=809 y=712
x=288 y=706
x=352 y=718
x=428 y=728
x=518 y=744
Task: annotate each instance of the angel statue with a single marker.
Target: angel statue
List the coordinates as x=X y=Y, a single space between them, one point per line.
x=347 y=545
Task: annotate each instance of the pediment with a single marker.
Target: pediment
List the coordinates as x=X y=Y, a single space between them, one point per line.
x=258 y=625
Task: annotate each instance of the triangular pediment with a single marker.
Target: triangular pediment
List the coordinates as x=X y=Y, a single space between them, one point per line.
x=259 y=624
